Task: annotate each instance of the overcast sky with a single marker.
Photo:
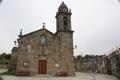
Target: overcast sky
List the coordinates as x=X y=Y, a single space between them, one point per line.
x=96 y=22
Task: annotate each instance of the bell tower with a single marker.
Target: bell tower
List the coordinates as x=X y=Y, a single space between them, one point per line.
x=63 y=18
x=64 y=35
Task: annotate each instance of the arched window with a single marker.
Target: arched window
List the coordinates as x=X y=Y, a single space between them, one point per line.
x=43 y=40
x=65 y=21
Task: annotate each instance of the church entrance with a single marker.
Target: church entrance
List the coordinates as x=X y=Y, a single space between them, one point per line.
x=42 y=67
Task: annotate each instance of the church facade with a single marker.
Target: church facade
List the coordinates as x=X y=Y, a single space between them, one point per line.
x=45 y=53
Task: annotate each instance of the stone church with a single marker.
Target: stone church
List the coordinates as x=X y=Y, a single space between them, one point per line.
x=42 y=52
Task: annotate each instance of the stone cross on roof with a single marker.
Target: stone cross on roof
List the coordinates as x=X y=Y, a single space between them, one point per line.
x=43 y=25
x=20 y=35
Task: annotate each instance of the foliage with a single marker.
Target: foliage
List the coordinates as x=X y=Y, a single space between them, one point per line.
x=5 y=58
x=8 y=56
x=89 y=56
x=79 y=57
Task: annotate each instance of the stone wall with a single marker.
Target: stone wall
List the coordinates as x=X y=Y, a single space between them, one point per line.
x=4 y=66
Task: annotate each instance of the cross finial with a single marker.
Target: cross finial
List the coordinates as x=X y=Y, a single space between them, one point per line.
x=21 y=32
x=43 y=25
x=15 y=42
x=20 y=35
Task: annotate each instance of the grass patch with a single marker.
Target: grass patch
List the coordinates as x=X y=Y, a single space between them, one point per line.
x=9 y=72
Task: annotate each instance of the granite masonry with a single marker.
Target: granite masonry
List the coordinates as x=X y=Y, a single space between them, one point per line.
x=42 y=52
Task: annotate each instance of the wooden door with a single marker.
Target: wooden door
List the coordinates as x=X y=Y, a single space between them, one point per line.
x=42 y=67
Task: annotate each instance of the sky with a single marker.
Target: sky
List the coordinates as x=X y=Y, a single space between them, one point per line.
x=96 y=22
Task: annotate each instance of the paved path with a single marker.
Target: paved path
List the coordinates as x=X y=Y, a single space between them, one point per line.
x=79 y=76
x=3 y=70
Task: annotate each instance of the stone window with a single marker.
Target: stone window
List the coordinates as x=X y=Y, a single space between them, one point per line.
x=43 y=40
x=65 y=21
